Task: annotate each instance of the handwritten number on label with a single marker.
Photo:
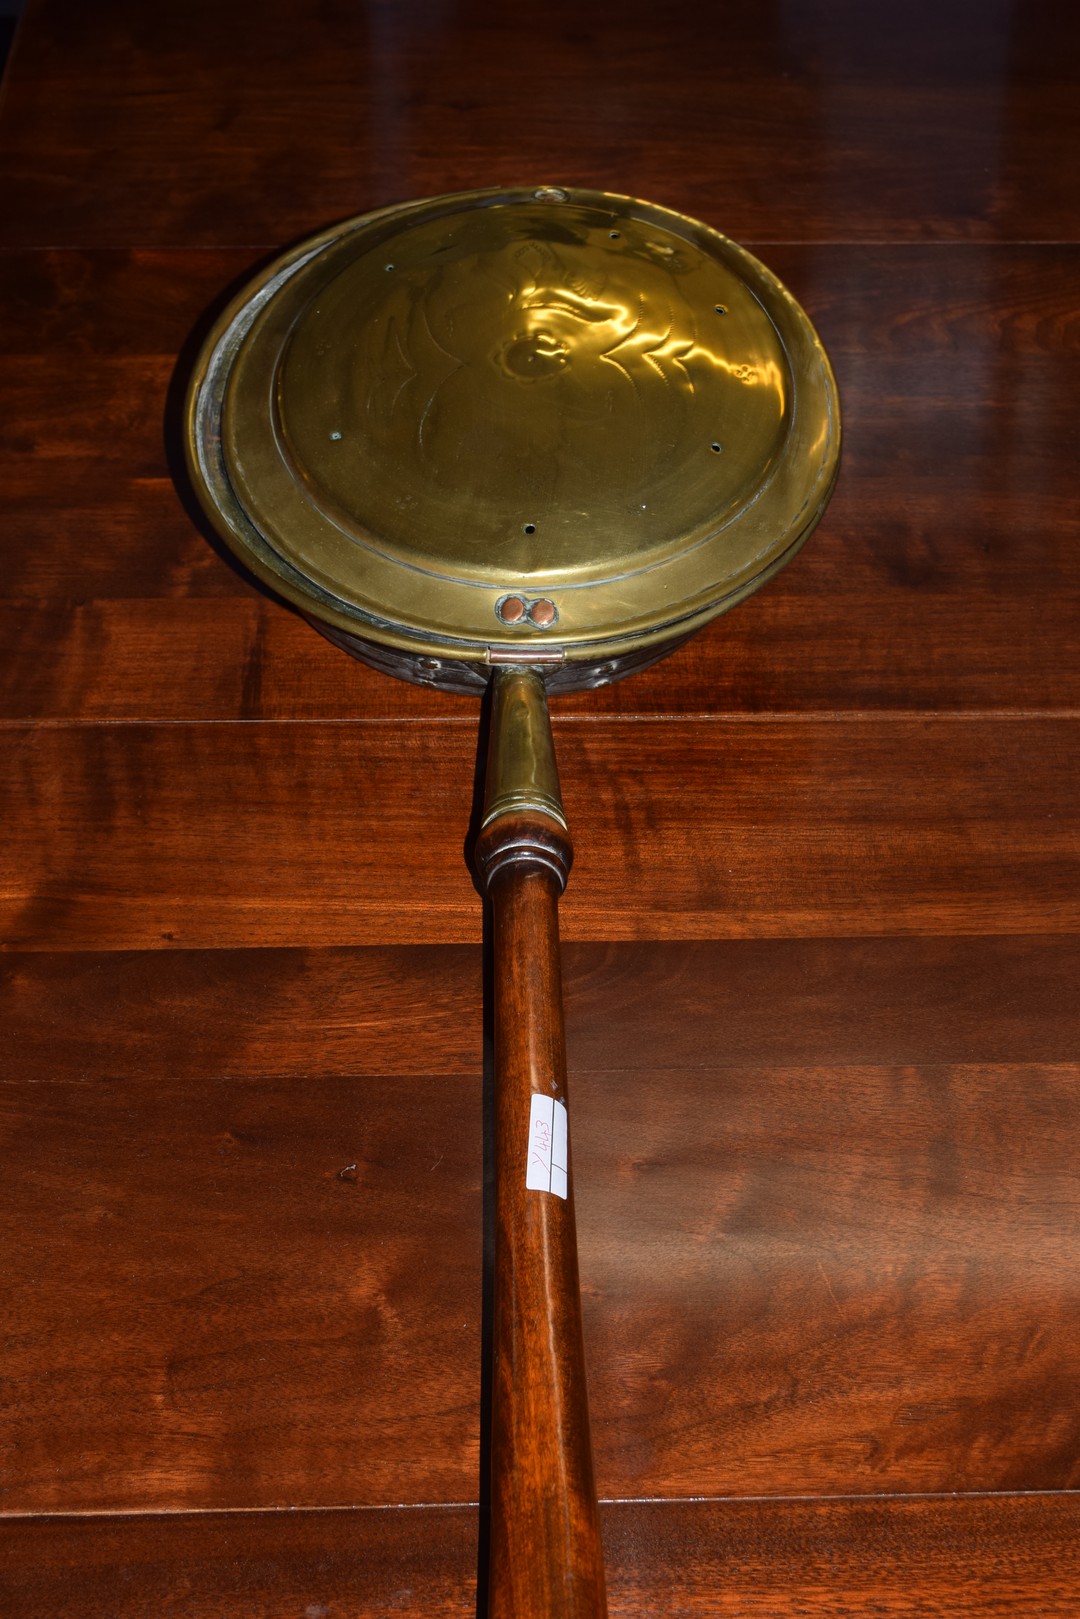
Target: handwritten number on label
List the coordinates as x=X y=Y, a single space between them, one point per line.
x=548 y=1155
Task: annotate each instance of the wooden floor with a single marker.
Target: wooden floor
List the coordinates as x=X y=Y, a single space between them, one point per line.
x=822 y=933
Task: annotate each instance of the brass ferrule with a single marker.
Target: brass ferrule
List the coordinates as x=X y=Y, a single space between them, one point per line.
x=522 y=775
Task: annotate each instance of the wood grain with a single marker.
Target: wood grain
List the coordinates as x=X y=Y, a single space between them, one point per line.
x=546 y=1560
x=185 y=1014
x=243 y=1292
x=226 y=835
x=990 y=1557
x=183 y=123
x=242 y=1221
x=821 y=1014
x=943 y=578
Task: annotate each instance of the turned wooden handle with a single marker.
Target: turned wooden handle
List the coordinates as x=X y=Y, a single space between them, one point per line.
x=546 y=1561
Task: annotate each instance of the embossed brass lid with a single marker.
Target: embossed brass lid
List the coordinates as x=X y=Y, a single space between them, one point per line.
x=540 y=420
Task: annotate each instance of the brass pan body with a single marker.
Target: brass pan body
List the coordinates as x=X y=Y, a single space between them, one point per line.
x=559 y=428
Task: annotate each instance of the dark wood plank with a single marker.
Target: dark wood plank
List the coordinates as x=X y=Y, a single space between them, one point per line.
x=1010 y=1557
x=301 y=1014
x=799 y=1002
x=277 y=1565
x=330 y=1013
x=139 y=1048
x=243 y=1292
x=944 y=577
x=125 y=837
x=859 y=1280
x=965 y=1559
x=185 y=123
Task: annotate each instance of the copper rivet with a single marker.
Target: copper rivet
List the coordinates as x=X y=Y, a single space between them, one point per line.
x=542 y=613
x=511 y=610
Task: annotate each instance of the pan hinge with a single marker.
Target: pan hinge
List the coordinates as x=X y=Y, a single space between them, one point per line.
x=548 y=657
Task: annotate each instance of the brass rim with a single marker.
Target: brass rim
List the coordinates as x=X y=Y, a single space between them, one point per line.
x=432 y=426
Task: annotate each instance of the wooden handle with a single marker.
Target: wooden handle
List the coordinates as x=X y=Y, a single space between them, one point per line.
x=546 y=1561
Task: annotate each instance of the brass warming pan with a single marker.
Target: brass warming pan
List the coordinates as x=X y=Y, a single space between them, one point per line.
x=533 y=438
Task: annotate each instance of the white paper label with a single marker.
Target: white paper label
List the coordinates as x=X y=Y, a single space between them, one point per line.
x=546 y=1171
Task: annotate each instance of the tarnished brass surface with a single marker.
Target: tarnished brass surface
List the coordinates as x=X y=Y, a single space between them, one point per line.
x=522 y=774
x=522 y=423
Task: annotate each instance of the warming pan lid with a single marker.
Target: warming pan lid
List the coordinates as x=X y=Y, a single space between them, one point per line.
x=538 y=419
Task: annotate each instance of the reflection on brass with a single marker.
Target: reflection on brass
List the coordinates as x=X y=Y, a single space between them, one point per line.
x=590 y=405
x=521 y=770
